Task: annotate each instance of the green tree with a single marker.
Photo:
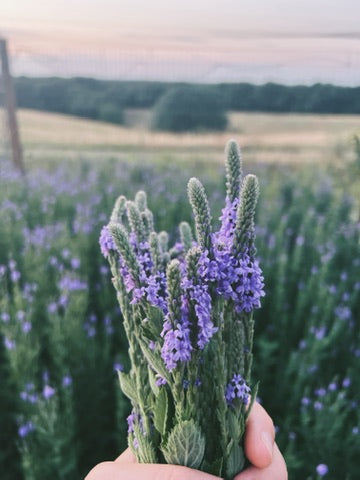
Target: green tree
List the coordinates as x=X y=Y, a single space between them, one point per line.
x=188 y=108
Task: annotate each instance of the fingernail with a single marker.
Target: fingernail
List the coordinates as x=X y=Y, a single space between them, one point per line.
x=268 y=442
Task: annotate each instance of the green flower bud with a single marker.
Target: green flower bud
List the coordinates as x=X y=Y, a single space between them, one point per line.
x=135 y=221
x=121 y=239
x=186 y=235
x=173 y=279
x=200 y=206
x=140 y=200
x=118 y=210
x=233 y=165
x=245 y=228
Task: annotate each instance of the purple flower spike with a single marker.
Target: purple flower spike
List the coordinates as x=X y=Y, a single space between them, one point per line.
x=106 y=241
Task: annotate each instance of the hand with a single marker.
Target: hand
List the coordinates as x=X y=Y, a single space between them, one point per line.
x=261 y=450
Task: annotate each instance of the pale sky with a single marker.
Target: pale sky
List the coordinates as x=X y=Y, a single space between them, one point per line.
x=290 y=41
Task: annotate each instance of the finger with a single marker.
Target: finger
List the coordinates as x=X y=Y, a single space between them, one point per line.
x=276 y=471
x=127 y=456
x=128 y=471
x=259 y=437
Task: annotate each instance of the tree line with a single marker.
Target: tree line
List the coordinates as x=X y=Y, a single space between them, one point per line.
x=105 y=100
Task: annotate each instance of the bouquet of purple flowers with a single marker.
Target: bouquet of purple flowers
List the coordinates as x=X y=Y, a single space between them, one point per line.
x=188 y=316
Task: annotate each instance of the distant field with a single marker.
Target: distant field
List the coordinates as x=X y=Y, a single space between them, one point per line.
x=267 y=138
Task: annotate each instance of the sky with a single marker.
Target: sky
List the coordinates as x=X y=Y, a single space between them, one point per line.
x=287 y=41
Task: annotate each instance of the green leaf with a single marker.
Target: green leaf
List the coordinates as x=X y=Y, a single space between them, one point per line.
x=154 y=360
x=161 y=411
x=128 y=386
x=213 y=468
x=152 y=381
x=155 y=322
x=146 y=451
x=233 y=425
x=185 y=445
x=235 y=460
x=252 y=400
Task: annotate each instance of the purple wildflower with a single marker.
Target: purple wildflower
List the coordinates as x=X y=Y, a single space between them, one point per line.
x=143 y=255
x=66 y=381
x=12 y=265
x=106 y=241
x=200 y=296
x=52 y=307
x=346 y=382
x=20 y=315
x=15 y=275
x=26 y=327
x=29 y=397
x=90 y=330
x=134 y=420
x=237 y=388
x=9 y=344
x=118 y=367
x=332 y=387
x=25 y=429
x=300 y=240
x=237 y=278
x=104 y=270
x=5 y=317
x=137 y=295
x=322 y=469
x=48 y=392
x=160 y=381
x=75 y=263
x=343 y=312
x=156 y=291
x=320 y=392
x=72 y=284
x=177 y=345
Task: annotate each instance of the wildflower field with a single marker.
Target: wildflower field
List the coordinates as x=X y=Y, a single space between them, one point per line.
x=62 y=339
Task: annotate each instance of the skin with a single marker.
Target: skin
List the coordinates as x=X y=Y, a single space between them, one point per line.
x=260 y=447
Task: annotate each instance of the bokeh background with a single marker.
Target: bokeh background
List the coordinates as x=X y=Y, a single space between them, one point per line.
x=114 y=97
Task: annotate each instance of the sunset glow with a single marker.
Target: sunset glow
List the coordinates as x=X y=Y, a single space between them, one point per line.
x=290 y=42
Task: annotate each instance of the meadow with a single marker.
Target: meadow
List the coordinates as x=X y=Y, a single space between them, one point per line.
x=61 y=410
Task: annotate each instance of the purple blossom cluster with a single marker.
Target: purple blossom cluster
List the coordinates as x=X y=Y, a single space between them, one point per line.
x=106 y=241
x=237 y=388
x=151 y=286
x=15 y=275
x=71 y=284
x=43 y=236
x=177 y=338
x=177 y=344
x=236 y=277
x=220 y=270
x=135 y=419
x=25 y=429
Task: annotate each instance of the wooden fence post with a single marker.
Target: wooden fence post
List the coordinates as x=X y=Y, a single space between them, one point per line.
x=10 y=107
